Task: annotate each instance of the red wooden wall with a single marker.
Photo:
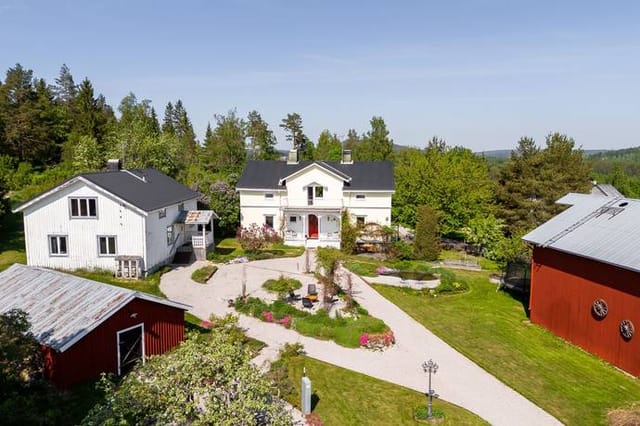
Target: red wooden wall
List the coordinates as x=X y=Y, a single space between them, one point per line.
x=97 y=352
x=563 y=289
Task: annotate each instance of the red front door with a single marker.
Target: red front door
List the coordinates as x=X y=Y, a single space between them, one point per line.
x=313 y=226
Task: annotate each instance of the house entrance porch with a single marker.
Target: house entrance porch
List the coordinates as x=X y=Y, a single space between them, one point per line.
x=312 y=227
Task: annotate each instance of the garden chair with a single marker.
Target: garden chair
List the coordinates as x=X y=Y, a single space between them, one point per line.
x=293 y=297
x=307 y=303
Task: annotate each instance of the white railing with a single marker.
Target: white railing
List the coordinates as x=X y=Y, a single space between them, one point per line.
x=337 y=203
x=198 y=241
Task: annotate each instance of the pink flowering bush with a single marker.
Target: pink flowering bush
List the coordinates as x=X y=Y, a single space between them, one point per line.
x=285 y=321
x=268 y=316
x=377 y=341
x=206 y=324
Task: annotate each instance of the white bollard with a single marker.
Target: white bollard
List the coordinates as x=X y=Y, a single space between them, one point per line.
x=305 y=393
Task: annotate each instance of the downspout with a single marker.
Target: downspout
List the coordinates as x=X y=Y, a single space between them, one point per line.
x=144 y=245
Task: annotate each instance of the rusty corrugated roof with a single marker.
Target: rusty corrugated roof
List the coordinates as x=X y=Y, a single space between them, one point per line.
x=64 y=308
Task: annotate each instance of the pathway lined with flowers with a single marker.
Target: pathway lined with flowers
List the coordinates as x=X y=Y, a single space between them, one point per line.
x=458 y=380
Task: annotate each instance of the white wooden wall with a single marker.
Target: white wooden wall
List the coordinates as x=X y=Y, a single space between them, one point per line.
x=52 y=216
x=158 y=252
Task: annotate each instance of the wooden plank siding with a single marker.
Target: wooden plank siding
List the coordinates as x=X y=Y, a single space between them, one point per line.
x=97 y=352
x=563 y=289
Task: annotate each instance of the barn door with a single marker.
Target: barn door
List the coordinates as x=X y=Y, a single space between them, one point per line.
x=130 y=348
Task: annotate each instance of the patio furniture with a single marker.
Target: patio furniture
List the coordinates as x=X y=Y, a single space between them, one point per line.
x=307 y=303
x=292 y=297
x=311 y=289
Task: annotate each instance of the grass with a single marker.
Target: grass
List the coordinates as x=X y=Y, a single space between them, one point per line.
x=282 y=286
x=344 y=397
x=12 y=241
x=229 y=248
x=150 y=284
x=201 y=275
x=492 y=329
x=344 y=331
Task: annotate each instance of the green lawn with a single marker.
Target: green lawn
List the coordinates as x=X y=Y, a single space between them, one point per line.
x=344 y=397
x=492 y=329
x=11 y=241
x=229 y=248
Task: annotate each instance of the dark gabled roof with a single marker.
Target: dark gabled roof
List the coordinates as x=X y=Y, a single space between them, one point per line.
x=146 y=189
x=365 y=175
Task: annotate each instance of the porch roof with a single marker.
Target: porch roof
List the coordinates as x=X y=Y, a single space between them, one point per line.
x=196 y=217
x=313 y=210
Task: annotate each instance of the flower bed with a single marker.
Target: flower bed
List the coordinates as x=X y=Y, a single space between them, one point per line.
x=345 y=331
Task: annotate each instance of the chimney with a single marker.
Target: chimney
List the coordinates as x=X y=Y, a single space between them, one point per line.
x=346 y=157
x=113 y=165
x=293 y=157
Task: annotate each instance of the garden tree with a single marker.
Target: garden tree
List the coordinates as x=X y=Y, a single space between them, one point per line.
x=484 y=232
x=168 y=125
x=533 y=179
x=426 y=244
x=224 y=148
x=178 y=125
x=262 y=140
x=329 y=147
x=453 y=181
x=328 y=262
x=348 y=233
x=292 y=123
x=376 y=144
x=206 y=380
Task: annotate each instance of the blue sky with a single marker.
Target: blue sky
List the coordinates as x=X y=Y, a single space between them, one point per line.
x=480 y=74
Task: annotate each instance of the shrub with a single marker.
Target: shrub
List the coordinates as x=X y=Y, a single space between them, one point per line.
x=348 y=234
x=401 y=250
x=282 y=285
x=427 y=240
x=450 y=283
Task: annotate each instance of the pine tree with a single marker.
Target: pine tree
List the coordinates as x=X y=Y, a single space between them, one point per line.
x=292 y=123
x=262 y=139
x=168 y=126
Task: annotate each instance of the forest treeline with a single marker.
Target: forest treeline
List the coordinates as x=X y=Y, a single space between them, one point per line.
x=50 y=131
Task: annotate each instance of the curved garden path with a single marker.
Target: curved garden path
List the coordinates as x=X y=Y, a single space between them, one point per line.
x=458 y=380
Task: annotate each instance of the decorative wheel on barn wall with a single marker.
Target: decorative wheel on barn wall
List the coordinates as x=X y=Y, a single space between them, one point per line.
x=626 y=329
x=600 y=308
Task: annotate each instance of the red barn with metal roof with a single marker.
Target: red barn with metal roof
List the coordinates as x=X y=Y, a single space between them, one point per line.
x=86 y=327
x=585 y=276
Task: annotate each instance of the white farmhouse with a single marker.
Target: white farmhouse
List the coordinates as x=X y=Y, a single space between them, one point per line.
x=127 y=221
x=303 y=200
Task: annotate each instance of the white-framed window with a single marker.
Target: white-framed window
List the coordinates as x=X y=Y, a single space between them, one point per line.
x=268 y=195
x=106 y=245
x=162 y=213
x=318 y=191
x=360 y=220
x=81 y=207
x=360 y=197
x=268 y=220
x=169 y=235
x=293 y=219
x=58 y=245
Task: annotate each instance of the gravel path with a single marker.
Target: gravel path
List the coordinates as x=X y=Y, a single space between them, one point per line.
x=458 y=380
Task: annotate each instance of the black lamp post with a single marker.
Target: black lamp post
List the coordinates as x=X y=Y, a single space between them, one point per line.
x=430 y=367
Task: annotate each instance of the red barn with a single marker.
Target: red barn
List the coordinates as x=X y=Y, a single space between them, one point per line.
x=585 y=276
x=86 y=327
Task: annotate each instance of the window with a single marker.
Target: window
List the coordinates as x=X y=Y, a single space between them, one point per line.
x=360 y=220
x=162 y=213
x=360 y=197
x=268 y=220
x=107 y=245
x=318 y=191
x=181 y=207
x=169 y=235
x=268 y=195
x=58 y=245
x=83 y=207
x=293 y=219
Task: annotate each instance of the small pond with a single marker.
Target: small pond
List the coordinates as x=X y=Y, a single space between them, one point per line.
x=413 y=275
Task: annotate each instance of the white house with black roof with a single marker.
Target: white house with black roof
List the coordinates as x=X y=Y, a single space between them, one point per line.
x=128 y=221
x=303 y=200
